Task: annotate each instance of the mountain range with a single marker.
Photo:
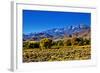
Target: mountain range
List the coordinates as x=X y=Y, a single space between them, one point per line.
x=80 y=30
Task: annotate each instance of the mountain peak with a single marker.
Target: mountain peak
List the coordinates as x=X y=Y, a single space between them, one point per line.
x=58 y=32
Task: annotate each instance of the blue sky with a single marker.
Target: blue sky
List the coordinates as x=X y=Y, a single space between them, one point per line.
x=37 y=21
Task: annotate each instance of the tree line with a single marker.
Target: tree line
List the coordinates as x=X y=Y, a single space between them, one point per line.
x=47 y=43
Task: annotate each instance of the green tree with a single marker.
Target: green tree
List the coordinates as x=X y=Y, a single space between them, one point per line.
x=45 y=43
x=25 y=44
x=68 y=42
x=34 y=45
x=60 y=43
x=77 y=41
x=80 y=41
x=31 y=45
x=87 y=41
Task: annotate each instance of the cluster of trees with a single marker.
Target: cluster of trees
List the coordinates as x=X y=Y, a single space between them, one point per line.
x=27 y=45
x=77 y=41
x=43 y=44
x=46 y=43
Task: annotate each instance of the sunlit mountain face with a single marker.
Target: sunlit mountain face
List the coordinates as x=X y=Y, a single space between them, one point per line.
x=80 y=30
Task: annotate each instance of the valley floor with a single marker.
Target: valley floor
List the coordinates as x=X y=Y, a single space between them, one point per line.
x=62 y=54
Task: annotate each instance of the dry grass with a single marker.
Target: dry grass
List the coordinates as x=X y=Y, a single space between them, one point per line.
x=62 y=54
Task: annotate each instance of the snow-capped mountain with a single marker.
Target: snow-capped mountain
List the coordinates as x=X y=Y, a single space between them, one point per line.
x=56 y=33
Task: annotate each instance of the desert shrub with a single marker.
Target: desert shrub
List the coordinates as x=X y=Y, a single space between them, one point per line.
x=54 y=43
x=60 y=43
x=45 y=43
x=87 y=41
x=55 y=47
x=31 y=45
x=80 y=41
x=68 y=42
x=37 y=55
x=26 y=45
x=34 y=45
x=77 y=41
x=57 y=44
